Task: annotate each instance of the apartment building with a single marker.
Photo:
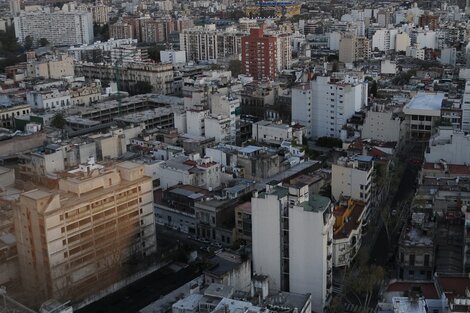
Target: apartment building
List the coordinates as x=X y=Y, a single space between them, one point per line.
x=259 y=55
x=422 y=114
x=9 y=113
x=56 y=66
x=466 y=108
x=121 y=30
x=73 y=241
x=384 y=39
x=383 y=125
x=53 y=99
x=160 y=76
x=272 y=133
x=353 y=48
x=325 y=105
x=292 y=235
x=60 y=28
x=207 y=44
x=352 y=178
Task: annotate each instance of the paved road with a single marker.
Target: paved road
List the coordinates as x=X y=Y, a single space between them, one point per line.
x=143 y=292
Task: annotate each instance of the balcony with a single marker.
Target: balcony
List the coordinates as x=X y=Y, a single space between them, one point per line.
x=330 y=255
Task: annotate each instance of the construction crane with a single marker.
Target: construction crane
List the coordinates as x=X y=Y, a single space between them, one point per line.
x=117 y=76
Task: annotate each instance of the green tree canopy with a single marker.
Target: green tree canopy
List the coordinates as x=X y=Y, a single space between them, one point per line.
x=58 y=121
x=235 y=66
x=43 y=42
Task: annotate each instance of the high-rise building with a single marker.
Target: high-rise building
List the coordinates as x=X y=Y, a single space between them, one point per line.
x=259 y=55
x=121 y=30
x=292 y=235
x=60 y=28
x=466 y=108
x=15 y=7
x=353 y=48
x=324 y=106
x=206 y=43
x=74 y=240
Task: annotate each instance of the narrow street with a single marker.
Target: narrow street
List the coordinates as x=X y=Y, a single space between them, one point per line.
x=380 y=250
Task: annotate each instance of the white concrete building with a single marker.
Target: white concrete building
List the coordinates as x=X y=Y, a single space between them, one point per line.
x=218 y=127
x=382 y=126
x=466 y=108
x=173 y=56
x=192 y=170
x=352 y=178
x=325 y=106
x=388 y=67
x=269 y=132
x=60 y=28
x=448 y=56
x=302 y=261
x=449 y=146
x=415 y=52
x=384 y=39
x=53 y=99
x=426 y=39
x=421 y=115
x=195 y=122
x=106 y=47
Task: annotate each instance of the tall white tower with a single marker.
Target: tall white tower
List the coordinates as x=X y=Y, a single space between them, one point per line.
x=15 y=7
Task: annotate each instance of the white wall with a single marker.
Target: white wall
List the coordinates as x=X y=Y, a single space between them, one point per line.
x=381 y=126
x=266 y=238
x=308 y=251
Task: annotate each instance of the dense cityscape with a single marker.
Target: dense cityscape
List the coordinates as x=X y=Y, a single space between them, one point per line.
x=234 y=156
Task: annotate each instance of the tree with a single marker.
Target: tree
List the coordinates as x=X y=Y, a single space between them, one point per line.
x=58 y=121
x=336 y=305
x=43 y=42
x=154 y=53
x=364 y=282
x=329 y=142
x=28 y=43
x=235 y=66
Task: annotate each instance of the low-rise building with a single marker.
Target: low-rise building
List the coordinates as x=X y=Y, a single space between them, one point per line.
x=229 y=269
x=9 y=113
x=243 y=222
x=415 y=258
x=271 y=133
x=347 y=232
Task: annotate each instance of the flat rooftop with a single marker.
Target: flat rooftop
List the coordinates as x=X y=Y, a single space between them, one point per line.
x=144 y=116
x=316 y=203
x=426 y=101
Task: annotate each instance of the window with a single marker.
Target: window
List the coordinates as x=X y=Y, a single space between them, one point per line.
x=412 y=259
x=426 y=260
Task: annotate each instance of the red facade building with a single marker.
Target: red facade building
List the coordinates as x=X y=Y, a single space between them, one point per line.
x=259 y=55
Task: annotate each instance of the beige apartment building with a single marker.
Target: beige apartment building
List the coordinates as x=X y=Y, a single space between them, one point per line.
x=74 y=240
x=353 y=48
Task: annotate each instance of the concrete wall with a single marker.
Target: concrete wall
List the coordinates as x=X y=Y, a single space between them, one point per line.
x=19 y=144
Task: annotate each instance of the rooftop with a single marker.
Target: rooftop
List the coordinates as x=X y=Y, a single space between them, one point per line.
x=426 y=101
x=316 y=203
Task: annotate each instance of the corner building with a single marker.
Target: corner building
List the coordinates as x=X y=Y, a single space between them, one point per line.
x=74 y=241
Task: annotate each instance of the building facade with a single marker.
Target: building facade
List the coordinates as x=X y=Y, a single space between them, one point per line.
x=259 y=55
x=74 y=241
x=59 y=28
x=292 y=233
